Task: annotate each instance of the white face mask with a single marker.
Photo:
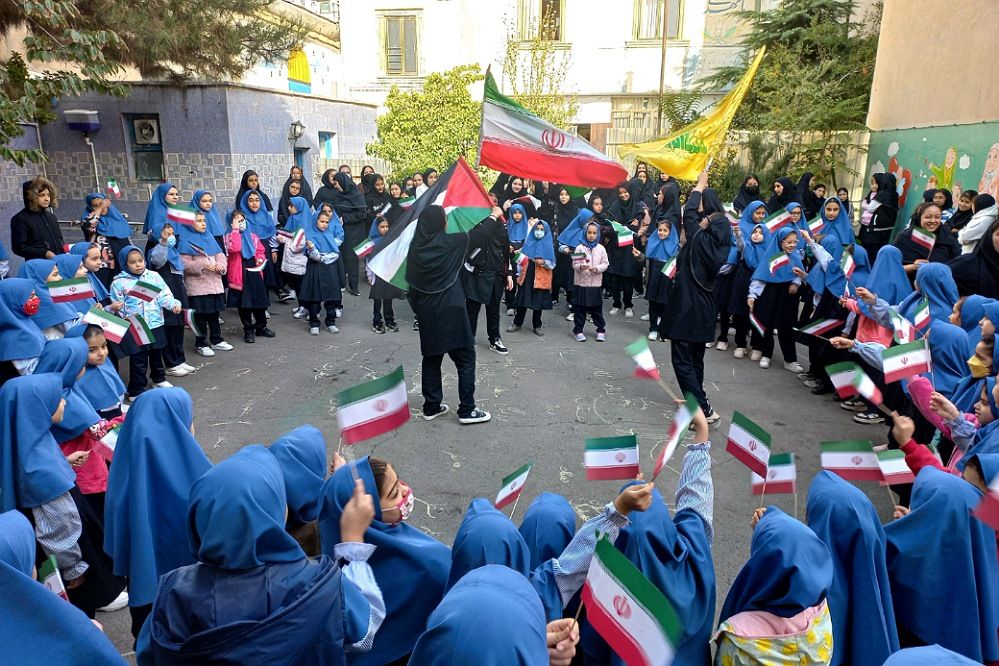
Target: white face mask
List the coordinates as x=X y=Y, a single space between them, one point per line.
x=539 y=233
x=239 y=226
x=405 y=506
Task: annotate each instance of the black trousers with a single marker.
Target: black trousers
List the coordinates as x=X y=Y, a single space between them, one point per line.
x=314 y=307
x=579 y=314
x=657 y=311
x=518 y=319
x=353 y=235
x=173 y=353
x=253 y=319
x=142 y=361
x=433 y=388
x=786 y=338
x=492 y=318
x=688 y=366
x=623 y=288
x=381 y=304
x=208 y=323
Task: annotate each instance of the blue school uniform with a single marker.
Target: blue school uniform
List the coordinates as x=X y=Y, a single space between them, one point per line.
x=486 y=536
x=66 y=357
x=301 y=454
x=19 y=338
x=547 y=527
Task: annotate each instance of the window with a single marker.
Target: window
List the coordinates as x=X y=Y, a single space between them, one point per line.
x=146 y=146
x=649 y=19
x=329 y=145
x=544 y=16
x=401 y=45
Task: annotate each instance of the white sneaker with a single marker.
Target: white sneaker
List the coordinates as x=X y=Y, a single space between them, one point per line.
x=570 y=317
x=613 y=311
x=332 y=329
x=510 y=312
x=267 y=313
x=764 y=362
x=740 y=352
x=300 y=313
x=756 y=355
x=221 y=321
x=721 y=345
x=120 y=602
x=653 y=335
x=601 y=337
x=163 y=384
x=188 y=367
x=644 y=317
x=628 y=313
x=709 y=345
x=178 y=371
x=222 y=346
x=580 y=337
x=314 y=330
x=206 y=352
x=794 y=367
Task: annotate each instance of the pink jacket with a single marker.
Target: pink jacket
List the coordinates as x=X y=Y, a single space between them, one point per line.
x=235 y=270
x=198 y=280
x=868 y=330
x=596 y=258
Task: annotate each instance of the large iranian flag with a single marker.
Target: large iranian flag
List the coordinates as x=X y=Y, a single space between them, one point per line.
x=628 y=611
x=459 y=191
x=373 y=408
x=514 y=140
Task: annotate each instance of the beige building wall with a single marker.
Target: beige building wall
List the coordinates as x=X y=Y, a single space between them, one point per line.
x=938 y=64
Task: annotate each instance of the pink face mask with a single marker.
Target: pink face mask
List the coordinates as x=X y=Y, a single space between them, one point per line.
x=405 y=506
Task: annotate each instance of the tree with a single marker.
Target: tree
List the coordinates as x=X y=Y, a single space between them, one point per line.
x=431 y=126
x=535 y=71
x=75 y=47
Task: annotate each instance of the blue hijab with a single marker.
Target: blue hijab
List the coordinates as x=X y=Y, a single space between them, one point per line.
x=325 y=241
x=213 y=219
x=373 y=231
x=156 y=211
x=596 y=241
x=111 y=224
x=302 y=456
x=888 y=278
x=929 y=654
x=960 y=611
x=490 y=618
x=991 y=312
x=949 y=352
x=832 y=278
x=123 y=260
x=784 y=273
x=841 y=227
x=17 y=542
x=410 y=596
x=261 y=222
x=100 y=384
x=860 y=605
x=302 y=217
x=66 y=357
x=33 y=470
x=517 y=232
x=746 y=223
x=789 y=569
x=862 y=273
x=985 y=443
x=972 y=311
x=662 y=249
x=145 y=530
x=575 y=232
x=989 y=464
x=754 y=253
x=19 y=338
x=936 y=284
x=80 y=250
x=49 y=313
x=539 y=248
x=247 y=248
x=966 y=393
x=68 y=264
x=203 y=239
x=547 y=527
x=486 y=536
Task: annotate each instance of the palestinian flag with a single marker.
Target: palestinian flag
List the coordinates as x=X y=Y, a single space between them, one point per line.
x=144 y=291
x=904 y=332
x=987 y=510
x=821 y=326
x=782 y=476
x=625 y=236
x=180 y=214
x=854 y=460
x=894 y=469
x=760 y=328
x=611 y=458
x=749 y=443
x=628 y=611
x=114 y=327
x=364 y=248
x=779 y=219
x=905 y=360
x=816 y=225
x=778 y=260
x=513 y=485
x=847 y=264
x=669 y=268
x=113 y=188
x=464 y=199
x=531 y=204
x=681 y=421
x=849 y=380
x=514 y=140
x=924 y=238
x=51 y=579
x=141 y=333
x=75 y=289
x=921 y=317
x=645 y=365
x=191 y=323
x=373 y=408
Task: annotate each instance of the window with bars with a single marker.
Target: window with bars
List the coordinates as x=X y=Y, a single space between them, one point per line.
x=649 y=19
x=544 y=17
x=401 y=45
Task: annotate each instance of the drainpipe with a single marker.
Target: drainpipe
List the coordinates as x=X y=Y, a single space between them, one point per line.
x=93 y=154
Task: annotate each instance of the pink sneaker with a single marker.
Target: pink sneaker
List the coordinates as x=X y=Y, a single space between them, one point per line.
x=601 y=337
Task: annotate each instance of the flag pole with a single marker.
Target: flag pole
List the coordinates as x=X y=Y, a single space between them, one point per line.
x=515 y=502
x=795 y=505
x=763 y=494
x=668 y=390
x=575 y=619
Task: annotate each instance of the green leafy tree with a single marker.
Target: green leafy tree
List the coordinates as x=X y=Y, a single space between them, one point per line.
x=535 y=71
x=430 y=126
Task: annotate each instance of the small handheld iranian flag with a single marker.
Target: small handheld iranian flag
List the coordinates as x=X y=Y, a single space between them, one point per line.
x=903 y=331
x=520 y=260
x=733 y=220
x=681 y=421
x=364 y=248
x=849 y=379
x=373 y=408
x=757 y=324
x=924 y=238
x=114 y=327
x=987 y=510
x=528 y=200
x=921 y=317
x=821 y=326
x=894 y=469
x=847 y=264
x=905 y=360
x=405 y=202
x=611 y=458
x=180 y=214
x=669 y=268
x=853 y=460
x=645 y=365
x=777 y=220
x=50 y=577
x=749 y=443
x=141 y=333
x=629 y=612
x=781 y=479
x=625 y=236
x=76 y=289
x=144 y=291
x=191 y=323
x=513 y=485
x=778 y=260
x=816 y=225
x=113 y=188
x=578 y=259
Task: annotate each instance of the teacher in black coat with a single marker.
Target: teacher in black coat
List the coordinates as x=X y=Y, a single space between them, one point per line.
x=692 y=299
x=486 y=276
x=34 y=231
x=435 y=294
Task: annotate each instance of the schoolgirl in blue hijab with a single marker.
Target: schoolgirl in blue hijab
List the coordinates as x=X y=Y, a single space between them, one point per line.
x=49 y=313
x=253 y=596
x=213 y=219
x=747 y=221
x=100 y=384
x=19 y=338
x=67 y=357
x=517 y=230
x=539 y=248
x=301 y=454
x=486 y=536
x=949 y=350
x=490 y=618
x=325 y=241
x=831 y=278
x=660 y=249
x=970 y=314
x=935 y=283
x=986 y=439
x=860 y=603
x=840 y=227
x=575 y=233
x=945 y=591
x=112 y=224
x=38 y=627
x=784 y=273
x=100 y=290
x=260 y=221
x=204 y=240
x=888 y=279
x=547 y=527
x=148 y=488
x=247 y=247
x=156 y=211
x=410 y=565
x=302 y=216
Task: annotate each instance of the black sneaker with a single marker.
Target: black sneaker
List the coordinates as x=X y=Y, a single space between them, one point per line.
x=443 y=409
x=498 y=347
x=869 y=418
x=475 y=416
x=354 y=292
x=393 y=327
x=378 y=327
x=266 y=333
x=284 y=296
x=249 y=338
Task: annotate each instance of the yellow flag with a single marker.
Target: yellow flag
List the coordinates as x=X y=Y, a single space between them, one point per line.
x=684 y=154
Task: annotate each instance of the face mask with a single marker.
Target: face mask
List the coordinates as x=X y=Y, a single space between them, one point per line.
x=30 y=306
x=752 y=190
x=405 y=506
x=978 y=369
x=171 y=241
x=539 y=234
x=239 y=226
